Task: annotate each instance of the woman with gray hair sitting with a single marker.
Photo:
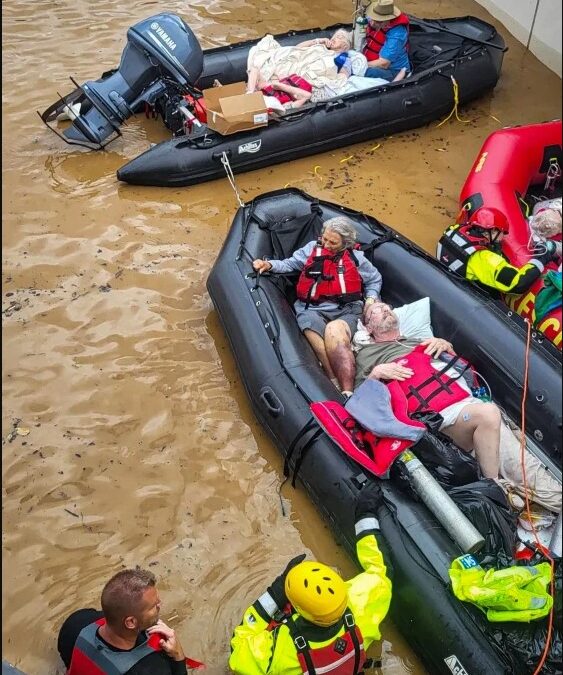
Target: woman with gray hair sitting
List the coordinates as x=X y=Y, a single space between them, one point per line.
x=335 y=280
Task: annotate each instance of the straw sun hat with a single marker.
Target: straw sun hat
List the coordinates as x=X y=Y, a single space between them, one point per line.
x=382 y=10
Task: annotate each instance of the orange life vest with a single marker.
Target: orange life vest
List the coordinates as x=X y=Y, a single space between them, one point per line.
x=375 y=37
x=330 y=276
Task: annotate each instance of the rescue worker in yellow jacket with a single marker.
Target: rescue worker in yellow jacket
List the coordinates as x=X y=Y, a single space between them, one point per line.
x=311 y=620
x=473 y=250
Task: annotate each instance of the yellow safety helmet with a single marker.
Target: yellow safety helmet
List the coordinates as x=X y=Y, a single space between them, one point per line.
x=316 y=592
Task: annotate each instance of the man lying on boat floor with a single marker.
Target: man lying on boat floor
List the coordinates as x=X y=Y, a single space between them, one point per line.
x=399 y=345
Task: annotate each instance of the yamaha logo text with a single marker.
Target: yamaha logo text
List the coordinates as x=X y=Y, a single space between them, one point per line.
x=163 y=35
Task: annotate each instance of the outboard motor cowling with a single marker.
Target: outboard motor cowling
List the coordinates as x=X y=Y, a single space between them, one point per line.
x=159 y=49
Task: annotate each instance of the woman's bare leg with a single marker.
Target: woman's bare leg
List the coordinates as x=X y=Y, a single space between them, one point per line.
x=318 y=345
x=339 y=351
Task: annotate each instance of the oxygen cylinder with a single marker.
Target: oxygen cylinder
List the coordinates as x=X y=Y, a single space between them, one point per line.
x=458 y=526
x=359 y=36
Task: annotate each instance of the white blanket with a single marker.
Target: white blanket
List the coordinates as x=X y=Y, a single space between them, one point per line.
x=315 y=64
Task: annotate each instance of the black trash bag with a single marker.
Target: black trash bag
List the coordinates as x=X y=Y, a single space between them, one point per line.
x=525 y=645
x=431 y=419
x=449 y=465
x=486 y=506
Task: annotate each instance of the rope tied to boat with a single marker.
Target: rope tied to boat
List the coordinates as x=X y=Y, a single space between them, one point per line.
x=456 y=104
x=546 y=554
x=231 y=177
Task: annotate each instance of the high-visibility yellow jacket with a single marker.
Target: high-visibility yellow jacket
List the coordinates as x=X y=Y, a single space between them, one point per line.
x=516 y=593
x=256 y=650
x=472 y=258
x=492 y=269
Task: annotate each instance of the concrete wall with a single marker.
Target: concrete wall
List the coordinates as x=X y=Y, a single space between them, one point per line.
x=518 y=16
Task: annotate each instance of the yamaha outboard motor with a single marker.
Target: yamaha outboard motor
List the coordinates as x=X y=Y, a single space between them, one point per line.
x=161 y=51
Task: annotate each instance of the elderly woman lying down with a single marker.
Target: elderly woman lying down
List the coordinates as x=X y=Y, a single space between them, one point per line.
x=314 y=70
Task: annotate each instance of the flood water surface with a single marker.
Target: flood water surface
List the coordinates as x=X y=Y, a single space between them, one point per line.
x=127 y=435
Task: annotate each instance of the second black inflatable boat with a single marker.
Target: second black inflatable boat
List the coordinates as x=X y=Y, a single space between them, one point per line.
x=282 y=378
x=463 y=53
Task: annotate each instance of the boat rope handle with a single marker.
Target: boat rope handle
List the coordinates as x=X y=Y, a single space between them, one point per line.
x=456 y=104
x=229 y=171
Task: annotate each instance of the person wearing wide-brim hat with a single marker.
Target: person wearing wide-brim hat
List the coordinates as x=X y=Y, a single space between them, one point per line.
x=387 y=41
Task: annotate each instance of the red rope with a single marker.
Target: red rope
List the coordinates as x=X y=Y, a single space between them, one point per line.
x=528 y=511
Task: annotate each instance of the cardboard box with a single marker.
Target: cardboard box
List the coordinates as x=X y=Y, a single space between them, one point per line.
x=230 y=110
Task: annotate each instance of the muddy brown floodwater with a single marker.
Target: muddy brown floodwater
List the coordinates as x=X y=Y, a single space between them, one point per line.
x=142 y=448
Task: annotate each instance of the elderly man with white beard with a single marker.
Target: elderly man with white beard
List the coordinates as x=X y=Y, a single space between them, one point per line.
x=430 y=384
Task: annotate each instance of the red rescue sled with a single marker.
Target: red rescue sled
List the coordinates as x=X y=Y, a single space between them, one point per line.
x=510 y=162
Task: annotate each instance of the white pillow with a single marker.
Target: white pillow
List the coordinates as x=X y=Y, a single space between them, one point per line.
x=359 y=62
x=414 y=319
x=414 y=322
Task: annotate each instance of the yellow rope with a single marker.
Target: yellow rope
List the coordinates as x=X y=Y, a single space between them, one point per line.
x=316 y=172
x=456 y=103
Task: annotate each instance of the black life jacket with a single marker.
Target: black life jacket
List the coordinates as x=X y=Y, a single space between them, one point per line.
x=92 y=656
x=456 y=246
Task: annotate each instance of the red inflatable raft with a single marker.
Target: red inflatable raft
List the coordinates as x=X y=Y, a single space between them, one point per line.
x=512 y=161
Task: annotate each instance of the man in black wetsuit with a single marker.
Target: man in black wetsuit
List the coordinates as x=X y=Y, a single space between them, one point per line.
x=126 y=637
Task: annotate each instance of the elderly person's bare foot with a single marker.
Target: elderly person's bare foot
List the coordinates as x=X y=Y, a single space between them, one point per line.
x=400 y=75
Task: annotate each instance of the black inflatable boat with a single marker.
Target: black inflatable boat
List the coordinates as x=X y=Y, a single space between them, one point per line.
x=282 y=378
x=164 y=69
x=466 y=48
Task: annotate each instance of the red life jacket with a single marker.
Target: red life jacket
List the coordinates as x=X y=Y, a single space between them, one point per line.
x=91 y=655
x=427 y=389
x=283 y=96
x=345 y=655
x=375 y=37
x=330 y=276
